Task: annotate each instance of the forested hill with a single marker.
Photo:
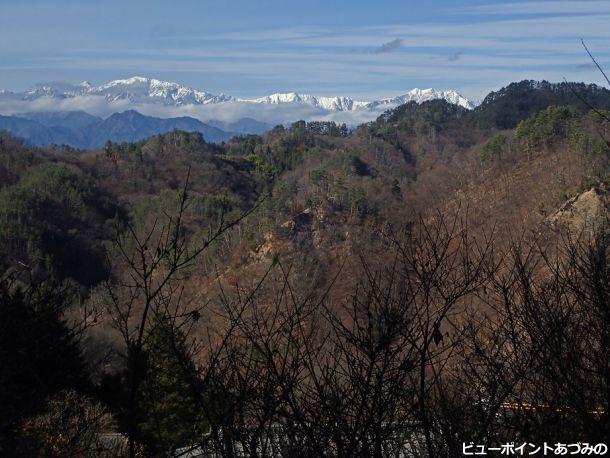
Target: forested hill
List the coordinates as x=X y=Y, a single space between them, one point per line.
x=505 y=108
x=129 y=261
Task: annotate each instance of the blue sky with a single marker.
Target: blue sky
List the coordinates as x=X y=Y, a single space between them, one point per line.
x=364 y=49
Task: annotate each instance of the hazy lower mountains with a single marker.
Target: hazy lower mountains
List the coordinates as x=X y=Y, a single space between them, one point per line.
x=82 y=130
x=246 y=126
x=65 y=119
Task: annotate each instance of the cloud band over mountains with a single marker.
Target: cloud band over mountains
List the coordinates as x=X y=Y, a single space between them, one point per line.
x=168 y=100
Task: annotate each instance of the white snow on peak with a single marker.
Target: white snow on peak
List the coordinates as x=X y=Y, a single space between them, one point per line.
x=349 y=104
x=139 y=89
x=325 y=103
x=423 y=95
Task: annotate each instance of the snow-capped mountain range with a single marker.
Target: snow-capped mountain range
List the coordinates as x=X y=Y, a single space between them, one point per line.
x=139 y=90
x=349 y=104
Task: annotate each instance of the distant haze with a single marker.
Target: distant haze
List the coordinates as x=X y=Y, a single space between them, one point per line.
x=168 y=99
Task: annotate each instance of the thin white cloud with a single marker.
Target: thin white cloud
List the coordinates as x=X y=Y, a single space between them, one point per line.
x=273 y=114
x=321 y=60
x=541 y=7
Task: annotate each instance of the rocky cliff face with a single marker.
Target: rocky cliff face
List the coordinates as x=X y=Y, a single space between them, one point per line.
x=584 y=210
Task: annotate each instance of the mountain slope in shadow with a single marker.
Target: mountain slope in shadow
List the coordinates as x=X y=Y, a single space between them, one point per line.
x=82 y=130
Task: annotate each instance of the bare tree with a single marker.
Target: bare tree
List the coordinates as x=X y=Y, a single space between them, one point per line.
x=155 y=265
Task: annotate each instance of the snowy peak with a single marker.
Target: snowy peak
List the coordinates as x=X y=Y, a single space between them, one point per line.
x=423 y=95
x=59 y=90
x=139 y=89
x=136 y=89
x=325 y=103
x=349 y=104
